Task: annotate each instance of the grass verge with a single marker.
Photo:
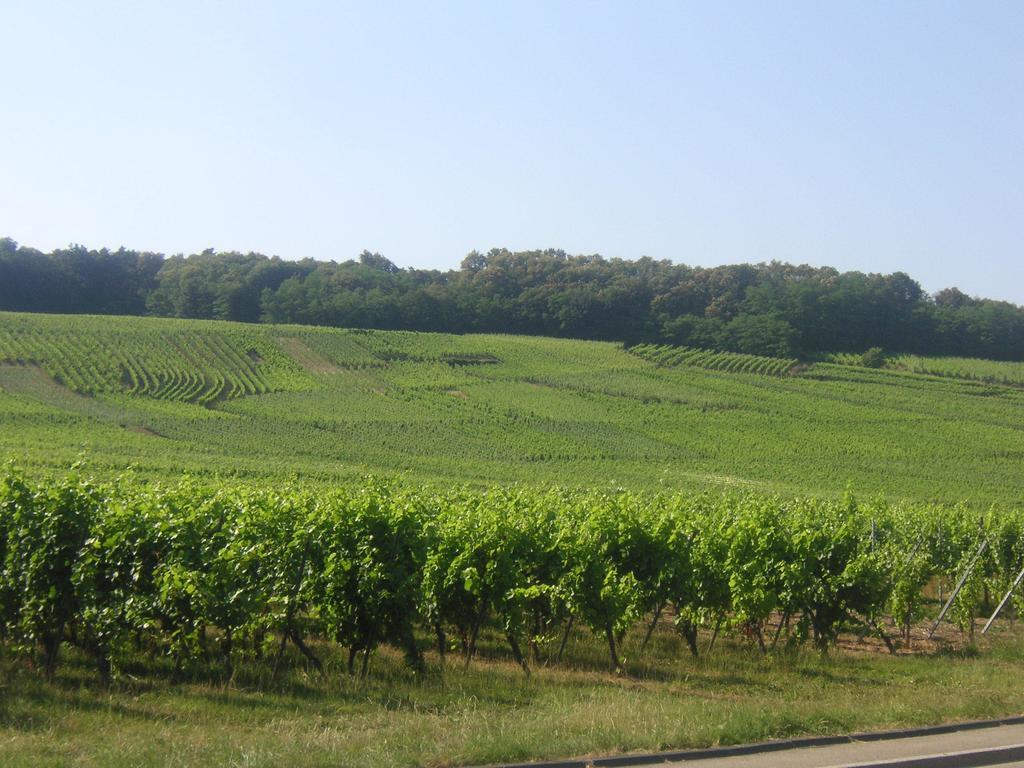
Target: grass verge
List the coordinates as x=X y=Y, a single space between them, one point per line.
x=489 y=712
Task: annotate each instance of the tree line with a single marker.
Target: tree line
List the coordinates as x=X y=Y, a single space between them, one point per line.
x=774 y=308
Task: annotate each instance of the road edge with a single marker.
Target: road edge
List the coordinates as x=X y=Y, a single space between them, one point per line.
x=762 y=747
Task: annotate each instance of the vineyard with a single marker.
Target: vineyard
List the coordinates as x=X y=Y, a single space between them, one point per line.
x=188 y=572
x=999 y=372
x=252 y=402
x=729 y=362
x=172 y=362
x=987 y=371
x=479 y=528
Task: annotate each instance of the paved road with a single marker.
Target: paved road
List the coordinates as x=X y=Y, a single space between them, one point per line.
x=889 y=750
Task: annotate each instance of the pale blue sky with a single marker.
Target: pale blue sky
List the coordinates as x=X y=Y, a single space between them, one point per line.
x=873 y=136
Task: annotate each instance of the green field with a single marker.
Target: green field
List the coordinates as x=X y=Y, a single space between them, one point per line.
x=232 y=400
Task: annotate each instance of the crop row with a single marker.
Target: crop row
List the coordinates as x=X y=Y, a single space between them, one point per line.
x=186 y=366
x=1005 y=373
x=987 y=371
x=730 y=362
x=119 y=567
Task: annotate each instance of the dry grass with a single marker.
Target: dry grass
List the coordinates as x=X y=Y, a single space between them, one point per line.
x=490 y=712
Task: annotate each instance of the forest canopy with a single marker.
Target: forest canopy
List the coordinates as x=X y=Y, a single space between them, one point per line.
x=768 y=308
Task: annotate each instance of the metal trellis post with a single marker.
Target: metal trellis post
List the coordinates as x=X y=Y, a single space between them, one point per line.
x=1004 y=601
x=959 y=586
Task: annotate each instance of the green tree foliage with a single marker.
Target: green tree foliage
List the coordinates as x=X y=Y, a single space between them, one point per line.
x=772 y=309
x=873 y=358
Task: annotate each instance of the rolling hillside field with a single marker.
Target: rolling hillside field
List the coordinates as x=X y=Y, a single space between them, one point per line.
x=167 y=397
x=396 y=548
